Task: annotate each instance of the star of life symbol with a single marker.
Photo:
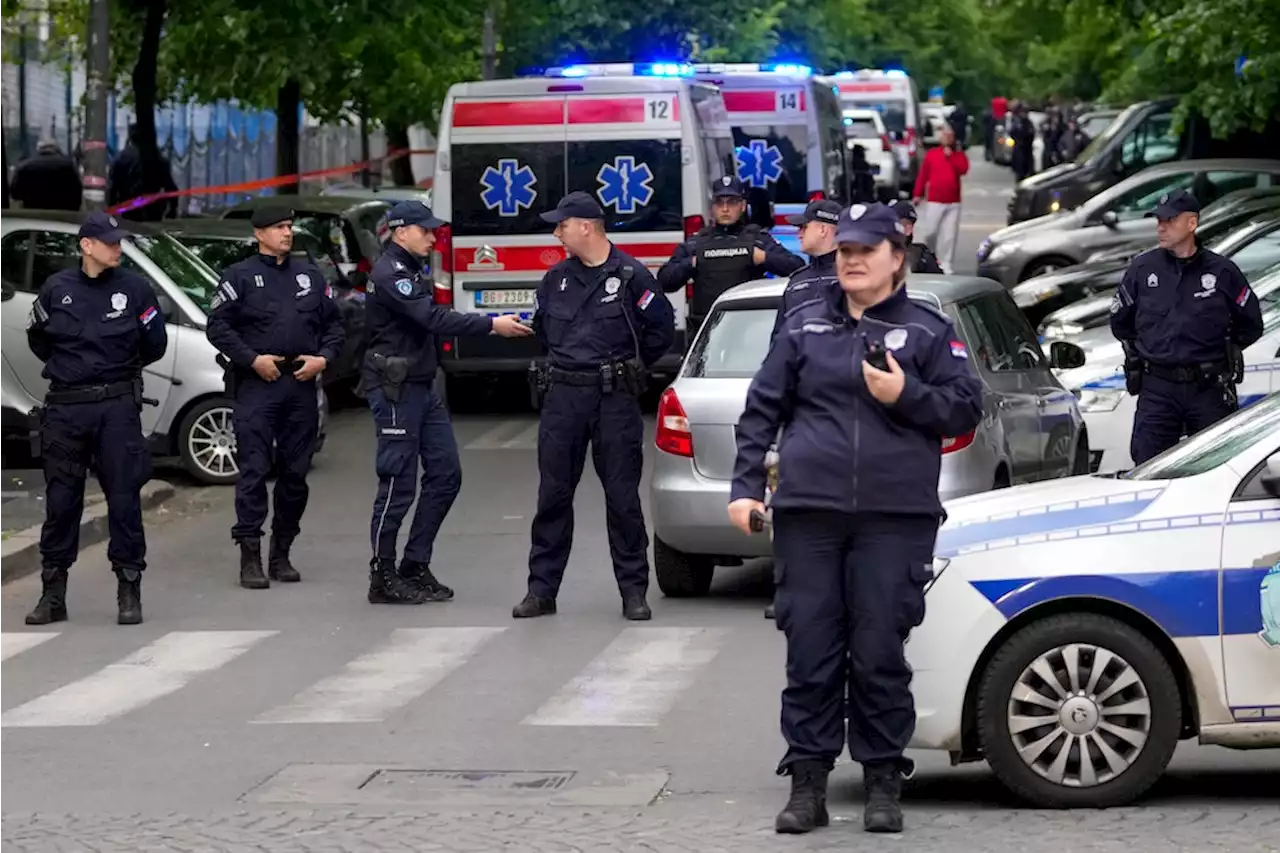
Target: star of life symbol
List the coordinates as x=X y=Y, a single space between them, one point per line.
x=759 y=163
x=508 y=189
x=625 y=184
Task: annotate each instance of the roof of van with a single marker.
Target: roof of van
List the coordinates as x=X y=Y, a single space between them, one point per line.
x=525 y=87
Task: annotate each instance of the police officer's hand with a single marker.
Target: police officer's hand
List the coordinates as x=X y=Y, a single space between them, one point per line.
x=885 y=386
x=740 y=513
x=312 y=366
x=509 y=326
x=265 y=366
x=758 y=256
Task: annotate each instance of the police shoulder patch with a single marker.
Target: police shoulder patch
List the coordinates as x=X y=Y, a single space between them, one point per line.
x=405 y=286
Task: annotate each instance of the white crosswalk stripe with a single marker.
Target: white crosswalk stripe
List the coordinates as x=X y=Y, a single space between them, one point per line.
x=154 y=671
x=15 y=644
x=509 y=435
x=370 y=687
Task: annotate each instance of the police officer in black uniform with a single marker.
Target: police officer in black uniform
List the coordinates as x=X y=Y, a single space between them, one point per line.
x=411 y=420
x=856 y=510
x=274 y=320
x=817 y=240
x=920 y=258
x=1183 y=314
x=95 y=327
x=723 y=255
x=604 y=322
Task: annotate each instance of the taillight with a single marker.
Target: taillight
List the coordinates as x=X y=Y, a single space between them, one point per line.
x=688 y=294
x=911 y=140
x=951 y=445
x=673 y=435
x=817 y=195
x=692 y=225
x=885 y=144
x=442 y=266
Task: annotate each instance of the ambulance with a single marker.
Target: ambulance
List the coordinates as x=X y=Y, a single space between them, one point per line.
x=647 y=141
x=894 y=95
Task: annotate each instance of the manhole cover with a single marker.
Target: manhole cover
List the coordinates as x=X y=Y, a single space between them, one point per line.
x=470 y=780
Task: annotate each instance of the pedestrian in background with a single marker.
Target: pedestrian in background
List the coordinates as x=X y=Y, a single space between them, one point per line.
x=920 y=258
x=856 y=511
x=47 y=181
x=938 y=184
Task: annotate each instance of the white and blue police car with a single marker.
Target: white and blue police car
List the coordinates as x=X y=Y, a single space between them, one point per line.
x=1078 y=629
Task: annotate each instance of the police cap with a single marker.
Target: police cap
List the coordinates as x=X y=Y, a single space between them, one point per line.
x=103 y=227
x=1174 y=202
x=905 y=210
x=728 y=187
x=265 y=217
x=870 y=225
x=412 y=213
x=576 y=204
x=826 y=212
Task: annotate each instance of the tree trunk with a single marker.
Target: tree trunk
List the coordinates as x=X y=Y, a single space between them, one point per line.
x=401 y=167
x=288 y=104
x=144 y=75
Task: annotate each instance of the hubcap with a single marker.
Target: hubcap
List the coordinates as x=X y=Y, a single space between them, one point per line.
x=212 y=443
x=1061 y=448
x=1079 y=715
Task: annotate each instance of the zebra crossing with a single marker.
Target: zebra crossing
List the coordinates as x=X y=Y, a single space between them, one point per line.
x=635 y=680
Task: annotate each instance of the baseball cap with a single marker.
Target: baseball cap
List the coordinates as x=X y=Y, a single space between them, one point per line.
x=870 y=225
x=102 y=227
x=905 y=210
x=728 y=187
x=1174 y=202
x=265 y=217
x=575 y=204
x=412 y=213
x=826 y=212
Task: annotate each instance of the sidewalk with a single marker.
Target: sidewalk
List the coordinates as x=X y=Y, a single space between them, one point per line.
x=22 y=499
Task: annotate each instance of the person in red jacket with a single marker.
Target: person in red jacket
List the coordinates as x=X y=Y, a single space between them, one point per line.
x=939 y=184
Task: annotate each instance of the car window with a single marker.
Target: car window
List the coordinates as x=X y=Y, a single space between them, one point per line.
x=863 y=128
x=984 y=322
x=774 y=158
x=733 y=344
x=1253 y=489
x=1260 y=254
x=1020 y=338
x=218 y=253
x=1218 y=184
x=54 y=252
x=1150 y=143
x=1212 y=447
x=191 y=275
x=167 y=308
x=15 y=253
x=1138 y=201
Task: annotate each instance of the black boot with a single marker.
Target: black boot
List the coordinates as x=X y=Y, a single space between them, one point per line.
x=52 y=606
x=418 y=575
x=883 y=786
x=251 y=576
x=387 y=587
x=278 y=566
x=129 y=596
x=635 y=608
x=533 y=606
x=807 y=808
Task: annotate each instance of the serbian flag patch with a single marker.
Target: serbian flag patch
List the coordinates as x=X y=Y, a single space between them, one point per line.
x=645 y=299
x=148 y=315
x=958 y=350
x=1243 y=297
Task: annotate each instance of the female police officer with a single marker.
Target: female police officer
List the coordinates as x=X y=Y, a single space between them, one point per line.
x=856 y=509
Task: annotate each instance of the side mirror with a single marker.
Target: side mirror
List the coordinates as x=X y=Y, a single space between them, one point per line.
x=1110 y=219
x=1271 y=484
x=8 y=291
x=1064 y=355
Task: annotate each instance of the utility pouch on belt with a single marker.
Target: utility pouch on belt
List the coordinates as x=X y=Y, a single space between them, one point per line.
x=394 y=370
x=1133 y=375
x=539 y=382
x=230 y=376
x=35 y=425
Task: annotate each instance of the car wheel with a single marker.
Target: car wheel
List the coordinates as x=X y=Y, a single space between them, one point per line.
x=1078 y=711
x=681 y=575
x=1058 y=450
x=207 y=442
x=1043 y=266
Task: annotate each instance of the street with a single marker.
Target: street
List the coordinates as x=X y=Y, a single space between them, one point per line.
x=302 y=718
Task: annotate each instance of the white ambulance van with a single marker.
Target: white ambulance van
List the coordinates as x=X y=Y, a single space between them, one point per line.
x=647 y=141
x=894 y=95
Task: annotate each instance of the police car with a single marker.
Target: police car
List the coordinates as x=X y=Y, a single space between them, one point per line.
x=1078 y=629
x=1109 y=409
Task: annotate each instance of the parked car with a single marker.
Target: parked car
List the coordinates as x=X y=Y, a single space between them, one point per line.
x=1096 y=122
x=1033 y=431
x=866 y=129
x=222 y=242
x=349 y=224
x=193 y=418
x=1113 y=217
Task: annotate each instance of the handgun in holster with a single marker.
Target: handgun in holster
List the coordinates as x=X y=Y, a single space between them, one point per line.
x=35 y=426
x=230 y=376
x=1133 y=369
x=1232 y=376
x=394 y=372
x=539 y=382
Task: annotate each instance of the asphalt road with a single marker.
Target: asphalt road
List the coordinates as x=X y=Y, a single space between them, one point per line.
x=302 y=718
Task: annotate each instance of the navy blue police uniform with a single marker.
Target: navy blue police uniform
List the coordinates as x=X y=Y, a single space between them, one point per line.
x=720 y=257
x=410 y=419
x=815 y=279
x=1183 y=323
x=94 y=334
x=280 y=307
x=855 y=518
x=602 y=327
x=920 y=258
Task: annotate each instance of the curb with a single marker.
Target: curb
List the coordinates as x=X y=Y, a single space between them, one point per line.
x=21 y=552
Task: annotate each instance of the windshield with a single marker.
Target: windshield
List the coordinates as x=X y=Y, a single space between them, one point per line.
x=892 y=113
x=734 y=342
x=1218 y=444
x=1100 y=141
x=861 y=128
x=192 y=276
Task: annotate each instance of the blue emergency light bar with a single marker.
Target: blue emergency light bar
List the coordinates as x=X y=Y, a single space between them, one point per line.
x=676 y=69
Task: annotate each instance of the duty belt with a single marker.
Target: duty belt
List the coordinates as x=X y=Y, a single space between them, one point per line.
x=1184 y=373
x=585 y=378
x=89 y=393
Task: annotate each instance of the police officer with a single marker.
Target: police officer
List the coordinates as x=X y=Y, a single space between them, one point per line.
x=724 y=254
x=920 y=258
x=409 y=417
x=273 y=319
x=1183 y=314
x=817 y=240
x=95 y=328
x=603 y=321
x=856 y=510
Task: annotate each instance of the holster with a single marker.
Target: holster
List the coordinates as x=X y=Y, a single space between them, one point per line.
x=1235 y=363
x=539 y=381
x=1133 y=370
x=393 y=370
x=230 y=376
x=35 y=427
x=635 y=377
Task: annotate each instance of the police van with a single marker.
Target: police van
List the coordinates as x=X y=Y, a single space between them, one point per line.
x=646 y=140
x=789 y=138
x=894 y=95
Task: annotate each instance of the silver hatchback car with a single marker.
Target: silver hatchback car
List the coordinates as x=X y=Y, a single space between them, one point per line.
x=1033 y=428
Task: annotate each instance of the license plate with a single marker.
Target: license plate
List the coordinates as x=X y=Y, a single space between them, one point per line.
x=504 y=298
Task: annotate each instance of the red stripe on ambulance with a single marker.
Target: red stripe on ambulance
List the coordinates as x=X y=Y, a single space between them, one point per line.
x=750 y=102
x=865 y=87
x=507 y=113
